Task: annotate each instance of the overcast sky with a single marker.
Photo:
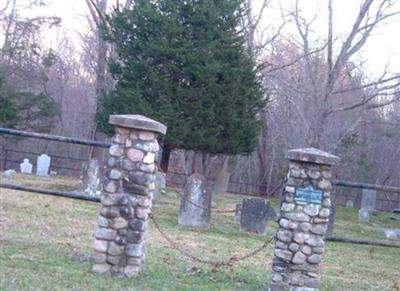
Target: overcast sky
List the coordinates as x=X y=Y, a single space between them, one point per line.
x=382 y=48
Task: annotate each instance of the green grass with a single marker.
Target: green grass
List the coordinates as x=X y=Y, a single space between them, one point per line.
x=45 y=244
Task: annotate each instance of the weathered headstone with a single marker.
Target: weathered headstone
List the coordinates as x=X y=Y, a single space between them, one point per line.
x=364 y=215
x=392 y=234
x=160 y=184
x=368 y=199
x=368 y=203
x=127 y=196
x=350 y=203
x=8 y=174
x=90 y=182
x=26 y=167
x=43 y=165
x=195 y=205
x=176 y=174
x=254 y=215
x=238 y=210
x=304 y=216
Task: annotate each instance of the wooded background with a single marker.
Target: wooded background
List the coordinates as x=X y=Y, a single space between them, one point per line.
x=319 y=92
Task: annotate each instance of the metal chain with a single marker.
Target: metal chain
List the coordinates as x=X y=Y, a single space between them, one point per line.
x=225 y=210
x=228 y=262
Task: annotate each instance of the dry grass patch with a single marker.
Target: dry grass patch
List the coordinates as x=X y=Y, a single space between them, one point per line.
x=45 y=244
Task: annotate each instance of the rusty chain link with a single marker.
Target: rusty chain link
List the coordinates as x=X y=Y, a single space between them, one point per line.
x=216 y=264
x=276 y=188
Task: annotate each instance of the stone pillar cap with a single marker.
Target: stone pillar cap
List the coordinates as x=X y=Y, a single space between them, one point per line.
x=312 y=155
x=137 y=121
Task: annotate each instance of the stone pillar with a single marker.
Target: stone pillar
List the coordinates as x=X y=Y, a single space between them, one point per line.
x=303 y=220
x=127 y=196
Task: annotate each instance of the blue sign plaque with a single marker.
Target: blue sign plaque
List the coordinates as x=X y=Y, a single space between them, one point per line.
x=308 y=195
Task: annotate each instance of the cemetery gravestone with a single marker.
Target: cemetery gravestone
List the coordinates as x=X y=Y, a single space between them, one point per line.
x=195 y=205
x=392 y=234
x=26 y=167
x=127 y=196
x=8 y=174
x=90 y=182
x=368 y=199
x=368 y=203
x=254 y=215
x=43 y=165
x=364 y=215
x=160 y=184
x=304 y=216
x=238 y=210
x=176 y=167
x=350 y=203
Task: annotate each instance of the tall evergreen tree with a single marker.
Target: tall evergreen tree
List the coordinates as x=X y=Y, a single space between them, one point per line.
x=183 y=62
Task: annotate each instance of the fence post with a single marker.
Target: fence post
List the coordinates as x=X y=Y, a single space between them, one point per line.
x=127 y=196
x=5 y=159
x=303 y=220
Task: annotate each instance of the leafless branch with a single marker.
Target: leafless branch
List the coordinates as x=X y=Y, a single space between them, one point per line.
x=2 y=10
x=292 y=62
x=97 y=13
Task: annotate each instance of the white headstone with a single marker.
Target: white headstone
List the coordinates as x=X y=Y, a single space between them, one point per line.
x=393 y=233
x=43 y=165
x=363 y=215
x=26 y=167
x=8 y=174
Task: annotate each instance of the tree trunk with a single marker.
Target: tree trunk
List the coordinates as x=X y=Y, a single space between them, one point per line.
x=166 y=152
x=262 y=151
x=222 y=179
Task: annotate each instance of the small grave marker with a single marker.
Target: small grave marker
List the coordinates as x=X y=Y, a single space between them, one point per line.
x=8 y=174
x=350 y=203
x=159 y=183
x=238 y=210
x=368 y=203
x=393 y=233
x=364 y=215
x=254 y=215
x=26 y=167
x=43 y=165
x=90 y=183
